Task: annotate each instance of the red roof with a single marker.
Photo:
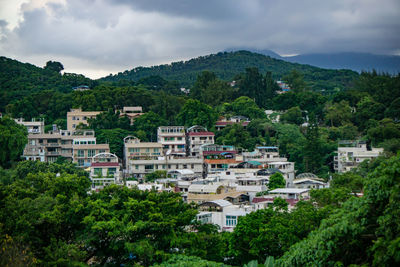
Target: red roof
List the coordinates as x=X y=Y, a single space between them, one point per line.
x=104 y=164
x=202 y=133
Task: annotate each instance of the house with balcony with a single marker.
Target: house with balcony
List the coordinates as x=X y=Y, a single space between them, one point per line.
x=222 y=213
x=351 y=153
x=105 y=169
x=33 y=127
x=77 y=116
x=173 y=139
x=223 y=122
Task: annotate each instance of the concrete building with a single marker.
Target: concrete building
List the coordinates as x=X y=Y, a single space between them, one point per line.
x=309 y=180
x=131 y=112
x=222 y=213
x=197 y=139
x=173 y=139
x=351 y=153
x=223 y=122
x=33 y=127
x=105 y=170
x=76 y=146
x=77 y=116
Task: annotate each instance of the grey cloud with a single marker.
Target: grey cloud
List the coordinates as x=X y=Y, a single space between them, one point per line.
x=121 y=34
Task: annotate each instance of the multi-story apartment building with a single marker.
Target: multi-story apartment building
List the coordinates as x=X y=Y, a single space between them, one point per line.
x=33 y=127
x=77 y=116
x=222 y=123
x=197 y=139
x=77 y=147
x=351 y=153
x=173 y=139
x=142 y=158
x=105 y=170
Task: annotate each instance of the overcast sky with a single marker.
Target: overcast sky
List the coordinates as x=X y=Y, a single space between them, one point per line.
x=98 y=37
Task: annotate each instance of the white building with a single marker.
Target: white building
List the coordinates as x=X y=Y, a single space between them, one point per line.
x=173 y=139
x=105 y=170
x=33 y=127
x=196 y=137
x=222 y=213
x=350 y=156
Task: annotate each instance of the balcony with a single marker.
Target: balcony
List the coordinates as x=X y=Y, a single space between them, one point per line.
x=53 y=153
x=52 y=145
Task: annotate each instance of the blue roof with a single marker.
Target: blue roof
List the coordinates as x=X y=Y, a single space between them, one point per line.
x=267 y=147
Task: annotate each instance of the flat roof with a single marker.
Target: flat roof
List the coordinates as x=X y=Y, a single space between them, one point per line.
x=289 y=190
x=201 y=133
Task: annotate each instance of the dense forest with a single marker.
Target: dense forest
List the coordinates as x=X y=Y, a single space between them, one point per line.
x=226 y=65
x=48 y=219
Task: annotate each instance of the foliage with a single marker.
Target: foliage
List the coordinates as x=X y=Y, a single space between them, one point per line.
x=113 y=137
x=244 y=106
x=293 y=115
x=236 y=135
x=151 y=177
x=276 y=180
x=13 y=138
x=188 y=261
x=364 y=231
x=226 y=65
x=196 y=113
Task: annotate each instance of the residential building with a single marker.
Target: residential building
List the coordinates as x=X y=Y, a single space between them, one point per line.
x=77 y=116
x=309 y=180
x=173 y=139
x=105 y=170
x=76 y=146
x=131 y=112
x=222 y=213
x=205 y=191
x=33 y=127
x=351 y=153
x=197 y=139
x=223 y=122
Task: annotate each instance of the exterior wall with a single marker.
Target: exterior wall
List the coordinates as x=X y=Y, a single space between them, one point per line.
x=139 y=168
x=33 y=127
x=77 y=116
x=196 y=140
x=172 y=138
x=350 y=157
x=82 y=154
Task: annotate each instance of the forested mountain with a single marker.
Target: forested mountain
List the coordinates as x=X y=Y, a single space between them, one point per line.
x=19 y=79
x=226 y=65
x=345 y=60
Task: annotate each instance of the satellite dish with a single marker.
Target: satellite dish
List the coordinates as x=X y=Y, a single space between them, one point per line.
x=169 y=152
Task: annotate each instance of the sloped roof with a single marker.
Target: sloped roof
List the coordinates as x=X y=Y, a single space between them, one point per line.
x=218 y=202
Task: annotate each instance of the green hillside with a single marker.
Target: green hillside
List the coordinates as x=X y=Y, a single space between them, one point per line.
x=19 y=79
x=228 y=64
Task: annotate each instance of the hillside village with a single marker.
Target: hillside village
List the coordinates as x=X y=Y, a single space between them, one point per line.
x=226 y=182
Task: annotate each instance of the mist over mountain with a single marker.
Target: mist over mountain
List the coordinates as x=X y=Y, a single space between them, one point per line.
x=345 y=60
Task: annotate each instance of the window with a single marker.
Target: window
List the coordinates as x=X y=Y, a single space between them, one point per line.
x=184 y=166
x=91 y=153
x=147 y=149
x=192 y=166
x=98 y=171
x=231 y=220
x=81 y=162
x=163 y=166
x=137 y=167
x=73 y=118
x=111 y=171
x=177 y=166
x=81 y=153
x=156 y=150
x=73 y=126
x=102 y=150
x=179 y=138
x=148 y=167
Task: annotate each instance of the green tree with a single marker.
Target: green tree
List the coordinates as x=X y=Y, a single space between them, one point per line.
x=293 y=115
x=13 y=138
x=196 y=113
x=149 y=122
x=245 y=106
x=115 y=138
x=54 y=66
x=338 y=114
x=276 y=181
x=364 y=231
x=295 y=79
x=312 y=149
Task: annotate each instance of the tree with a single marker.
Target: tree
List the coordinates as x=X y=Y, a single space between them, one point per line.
x=295 y=79
x=237 y=136
x=245 y=106
x=13 y=138
x=115 y=138
x=293 y=115
x=149 y=123
x=196 y=113
x=312 y=149
x=252 y=85
x=364 y=231
x=338 y=113
x=276 y=181
x=54 y=66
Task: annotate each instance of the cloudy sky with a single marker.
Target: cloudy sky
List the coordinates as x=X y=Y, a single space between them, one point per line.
x=98 y=37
